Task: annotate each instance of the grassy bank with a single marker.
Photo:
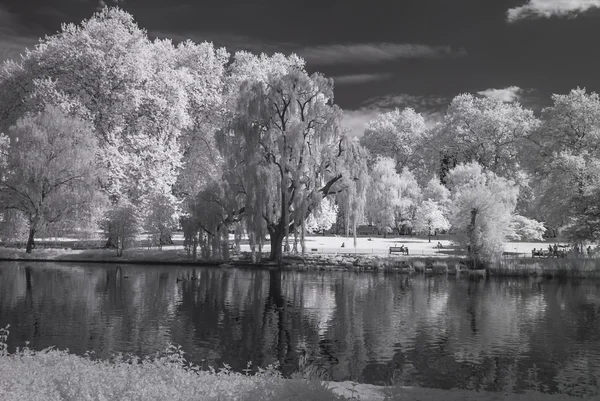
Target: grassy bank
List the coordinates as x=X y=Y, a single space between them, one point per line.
x=57 y=375
x=548 y=268
x=370 y=255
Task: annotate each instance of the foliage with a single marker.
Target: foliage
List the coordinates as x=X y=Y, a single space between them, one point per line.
x=160 y=218
x=64 y=376
x=384 y=194
x=148 y=101
x=410 y=197
x=122 y=225
x=352 y=201
x=396 y=134
x=486 y=131
x=482 y=209
x=50 y=169
x=566 y=161
x=323 y=217
x=526 y=229
x=430 y=218
x=283 y=148
x=436 y=192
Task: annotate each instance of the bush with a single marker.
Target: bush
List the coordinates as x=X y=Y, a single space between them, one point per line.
x=51 y=374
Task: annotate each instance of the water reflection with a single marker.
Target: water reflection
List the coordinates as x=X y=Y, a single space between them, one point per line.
x=426 y=331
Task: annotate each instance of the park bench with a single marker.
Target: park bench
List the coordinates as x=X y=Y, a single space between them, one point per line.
x=542 y=253
x=398 y=249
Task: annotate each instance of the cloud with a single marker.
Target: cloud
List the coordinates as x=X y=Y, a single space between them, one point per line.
x=431 y=107
x=360 y=78
x=369 y=53
x=507 y=95
x=550 y=8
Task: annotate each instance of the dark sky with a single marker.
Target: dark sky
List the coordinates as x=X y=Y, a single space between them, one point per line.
x=383 y=53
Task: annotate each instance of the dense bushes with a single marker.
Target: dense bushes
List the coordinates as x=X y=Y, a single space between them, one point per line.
x=51 y=374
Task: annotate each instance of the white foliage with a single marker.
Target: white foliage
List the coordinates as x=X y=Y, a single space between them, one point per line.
x=323 y=218
x=430 y=218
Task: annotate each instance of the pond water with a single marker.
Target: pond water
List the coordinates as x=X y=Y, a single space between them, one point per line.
x=442 y=332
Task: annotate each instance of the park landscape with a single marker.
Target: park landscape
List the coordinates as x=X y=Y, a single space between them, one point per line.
x=176 y=164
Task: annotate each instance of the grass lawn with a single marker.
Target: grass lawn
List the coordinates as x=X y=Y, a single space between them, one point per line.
x=315 y=244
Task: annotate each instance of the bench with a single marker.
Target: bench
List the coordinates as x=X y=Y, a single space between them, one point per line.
x=398 y=249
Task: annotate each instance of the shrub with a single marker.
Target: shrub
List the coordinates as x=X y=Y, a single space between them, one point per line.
x=52 y=374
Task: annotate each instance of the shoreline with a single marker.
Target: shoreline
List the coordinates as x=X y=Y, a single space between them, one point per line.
x=587 y=268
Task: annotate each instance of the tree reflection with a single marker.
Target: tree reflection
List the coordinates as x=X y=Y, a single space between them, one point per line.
x=426 y=331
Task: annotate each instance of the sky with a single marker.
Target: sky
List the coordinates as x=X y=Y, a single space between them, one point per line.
x=382 y=54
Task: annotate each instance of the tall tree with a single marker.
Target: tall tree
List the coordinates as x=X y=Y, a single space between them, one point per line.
x=148 y=101
x=384 y=194
x=486 y=131
x=565 y=163
x=482 y=208
x=430 y=218
x=50 y=169
x=410 y=198
x=285 y=141
x=396 y=134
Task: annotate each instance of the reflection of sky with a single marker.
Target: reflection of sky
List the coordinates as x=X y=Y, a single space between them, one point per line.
x=319 y=304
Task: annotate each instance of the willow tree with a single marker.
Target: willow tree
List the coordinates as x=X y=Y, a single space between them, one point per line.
x=285 y=142
x=50 y=169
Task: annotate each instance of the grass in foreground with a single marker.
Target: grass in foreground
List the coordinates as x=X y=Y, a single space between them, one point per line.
x=57 y=375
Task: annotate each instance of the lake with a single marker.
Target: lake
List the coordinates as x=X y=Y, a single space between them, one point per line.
x=438 y=331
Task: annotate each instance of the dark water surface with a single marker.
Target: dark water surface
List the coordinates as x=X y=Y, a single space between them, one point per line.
x=375 y=328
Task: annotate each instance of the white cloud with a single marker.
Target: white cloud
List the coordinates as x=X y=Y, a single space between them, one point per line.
x=507 y=95
x=550 y=8
x=365 y=53
x=360 y=78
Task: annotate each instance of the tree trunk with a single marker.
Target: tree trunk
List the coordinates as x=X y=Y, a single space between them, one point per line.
x=277 y=236
x=429 y=234
x=30 y=244
x=473 y=248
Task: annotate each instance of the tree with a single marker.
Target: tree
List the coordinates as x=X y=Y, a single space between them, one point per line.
x=384 y=194
x=161 y=217
x=524 y=228
x=283 y=139
x=436 y=192
x=410 y=198
x=565 y=164
x=396 y=134
x=486 y=131
x=429 y=217
x=482 y=208
x=50 y=169
x=323 y=217
x=149 y=102
x=122 y=226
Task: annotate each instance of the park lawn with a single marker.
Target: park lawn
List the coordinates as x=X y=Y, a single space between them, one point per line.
x=315 y=245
